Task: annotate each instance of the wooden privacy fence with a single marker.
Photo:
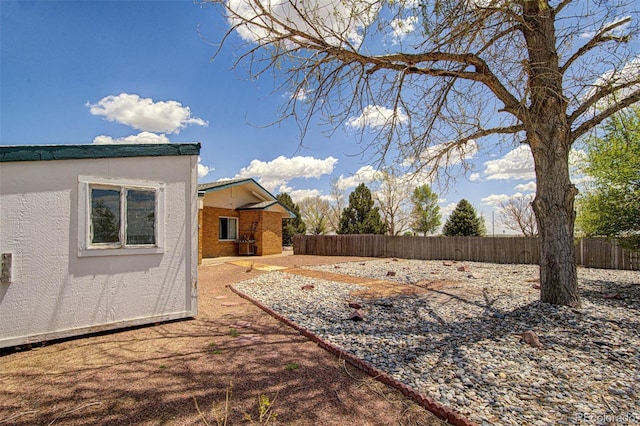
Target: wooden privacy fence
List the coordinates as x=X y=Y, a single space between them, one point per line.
x=591 y=253
x=603 y=253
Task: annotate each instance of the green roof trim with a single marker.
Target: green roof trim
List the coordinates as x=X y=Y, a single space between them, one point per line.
x=77 y=152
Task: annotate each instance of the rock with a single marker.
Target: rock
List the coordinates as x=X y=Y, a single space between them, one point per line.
x=391 y=273
x=463 y=269
x=536 y=286
x=616 y=296
x=356 y=316
x=355 y=305
x=447 y=263
x=531 y=339
x=307 y=287
x=498 y=315
x=475 y=276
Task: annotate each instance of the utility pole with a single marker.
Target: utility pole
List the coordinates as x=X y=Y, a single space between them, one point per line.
x=493 y=223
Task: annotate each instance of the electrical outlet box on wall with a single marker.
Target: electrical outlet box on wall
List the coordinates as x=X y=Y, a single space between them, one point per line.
x=5 y=268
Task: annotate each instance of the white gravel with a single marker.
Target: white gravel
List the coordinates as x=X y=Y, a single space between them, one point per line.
x=460 y=344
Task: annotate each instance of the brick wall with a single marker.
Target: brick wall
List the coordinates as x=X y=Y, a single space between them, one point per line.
x=271 y=233
x=266 y=227
x=211 y=247
x=200 y=225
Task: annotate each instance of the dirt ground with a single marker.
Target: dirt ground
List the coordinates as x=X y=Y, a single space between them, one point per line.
x=227 y=366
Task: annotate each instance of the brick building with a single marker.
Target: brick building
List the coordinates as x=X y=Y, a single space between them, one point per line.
x=239 y=217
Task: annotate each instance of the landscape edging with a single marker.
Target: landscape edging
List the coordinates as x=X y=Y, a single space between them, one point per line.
x=441 y=411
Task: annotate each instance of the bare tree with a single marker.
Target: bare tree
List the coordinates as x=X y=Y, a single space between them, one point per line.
x=315 y=214
x=336 y=206
x=393 y=198
x=429 y=77
x=517 y=214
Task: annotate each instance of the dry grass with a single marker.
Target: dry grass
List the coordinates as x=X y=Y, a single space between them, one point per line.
x=196 y=373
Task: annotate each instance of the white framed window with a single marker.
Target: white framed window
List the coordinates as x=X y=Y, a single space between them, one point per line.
x=120 y=216
x=228 y=228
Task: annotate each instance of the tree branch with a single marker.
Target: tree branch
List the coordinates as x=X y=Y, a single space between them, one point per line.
x=606 y=113
x=600 y=38
x=600 y=94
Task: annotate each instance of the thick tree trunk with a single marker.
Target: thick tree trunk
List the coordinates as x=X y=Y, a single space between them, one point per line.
x=549 y=136
x=554 y=208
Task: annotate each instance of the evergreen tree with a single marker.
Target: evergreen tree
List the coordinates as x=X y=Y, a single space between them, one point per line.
x=426 y=211
x=291 y=226
x=360 y=216
x=464 y=221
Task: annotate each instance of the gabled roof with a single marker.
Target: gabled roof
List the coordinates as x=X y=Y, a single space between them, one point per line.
x=258 y=206
x=270 y=199
x=221 y=184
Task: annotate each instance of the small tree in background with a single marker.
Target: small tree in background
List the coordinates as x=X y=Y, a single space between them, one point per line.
x=293 y=226
x=517 y=215
x=611 y=205
x=426 y=211
x=336 y=206
x=392 y=197
x=464 y=221
x=360 y=216
x=315 y=213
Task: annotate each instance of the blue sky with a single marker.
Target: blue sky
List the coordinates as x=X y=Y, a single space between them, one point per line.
x=81 y=72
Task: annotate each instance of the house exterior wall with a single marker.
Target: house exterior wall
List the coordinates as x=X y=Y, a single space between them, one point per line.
x=271 y=233
x=56 y=292
x=229 y=198
x=211 y=245
x=267 y=234
x=200 y=233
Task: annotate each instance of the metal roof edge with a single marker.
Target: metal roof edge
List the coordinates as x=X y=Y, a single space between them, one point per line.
x=9 y=153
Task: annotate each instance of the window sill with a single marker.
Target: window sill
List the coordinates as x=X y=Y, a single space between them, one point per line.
x=117 y=251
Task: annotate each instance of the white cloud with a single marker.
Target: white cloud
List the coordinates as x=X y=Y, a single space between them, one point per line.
x=496 y=199
x=203 y=170
x=376 y=116
x=300 y=95
x=329 y=19
x=402 y=27
x=278 y=172
x=627 y=74
x=526 y=187
x=445 y=157
x=447 y=210
x=365 y=174
x=144 y=113
x=142 y=137
x=516 y=164
x=474 y=177
x=300 y=194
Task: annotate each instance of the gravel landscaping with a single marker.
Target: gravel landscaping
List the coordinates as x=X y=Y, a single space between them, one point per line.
x=455 y=334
